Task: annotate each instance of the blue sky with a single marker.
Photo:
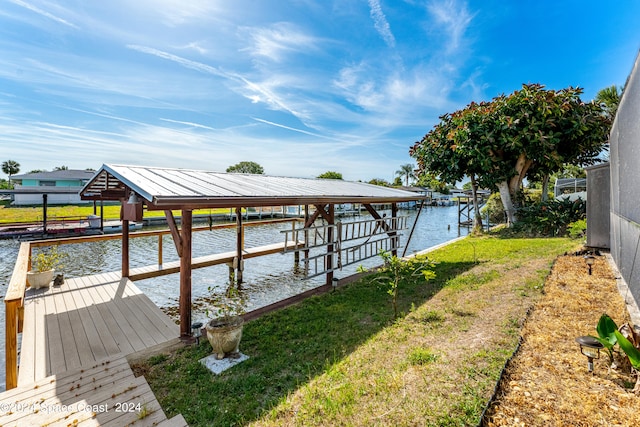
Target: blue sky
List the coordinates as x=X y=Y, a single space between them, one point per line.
x=300 y=87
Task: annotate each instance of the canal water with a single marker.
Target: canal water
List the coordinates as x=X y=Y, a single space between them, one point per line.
x=267 y=279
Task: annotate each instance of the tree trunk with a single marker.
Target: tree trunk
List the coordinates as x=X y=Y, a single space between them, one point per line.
x=545 y=187
x=505 y=196
x=477 y=219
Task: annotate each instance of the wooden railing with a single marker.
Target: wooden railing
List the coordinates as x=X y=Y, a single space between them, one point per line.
x=13 y=305
x=14 y=298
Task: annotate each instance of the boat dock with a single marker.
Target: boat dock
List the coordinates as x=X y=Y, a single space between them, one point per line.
x=77 y=340
x=85 y=320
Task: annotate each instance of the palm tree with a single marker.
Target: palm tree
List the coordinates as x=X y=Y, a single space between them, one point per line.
x=609 y=98
x=407 y=172
x=10 y=167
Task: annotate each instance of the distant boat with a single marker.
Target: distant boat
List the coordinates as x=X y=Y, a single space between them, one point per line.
x=116 y=226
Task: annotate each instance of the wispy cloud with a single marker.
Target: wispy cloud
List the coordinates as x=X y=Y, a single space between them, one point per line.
x=44 y=13
x=190 y=124
x=453 y=17
x=256 y=92
x=380 y=22
x=274 y=41
x=194 y=65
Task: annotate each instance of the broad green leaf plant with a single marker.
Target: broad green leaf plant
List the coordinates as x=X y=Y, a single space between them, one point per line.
x=609 y=334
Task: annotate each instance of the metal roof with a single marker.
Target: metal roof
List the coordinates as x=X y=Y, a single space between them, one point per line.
x=64 y=174
x=168 y=188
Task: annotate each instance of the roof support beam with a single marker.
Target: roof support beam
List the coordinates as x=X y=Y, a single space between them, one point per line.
x=125 y=248
x=328 y=213
x=394 y=214
x=185 y=276
x=175 y=233
x=239 y=247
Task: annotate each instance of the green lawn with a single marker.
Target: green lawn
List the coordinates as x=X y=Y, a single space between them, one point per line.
x=342 y=359
x=34 y=213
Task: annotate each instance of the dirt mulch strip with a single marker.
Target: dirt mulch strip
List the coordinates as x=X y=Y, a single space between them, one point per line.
x=547 y=383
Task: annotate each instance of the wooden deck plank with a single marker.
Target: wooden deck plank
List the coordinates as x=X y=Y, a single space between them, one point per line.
x=53 y=360
x=112 y=318
x=167 y=327
x=69 y=332
x=79 y=325
x=177 y=421
x=163 y=323
x=71 y=357
x=132 y=307
x=105 y=340
x=126 y=316
x=87 y=321
x=102 y=373
x=123 y=315
x=29 y=338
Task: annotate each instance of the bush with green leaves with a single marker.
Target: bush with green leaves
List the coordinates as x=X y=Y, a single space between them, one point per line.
x=47 y=259
x=551 y=217
x=578 y=229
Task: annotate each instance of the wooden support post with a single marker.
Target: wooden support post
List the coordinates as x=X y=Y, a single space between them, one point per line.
x=306 y=238
x=239 y=247
x=125 y=248
x=394 y=226
x=11 y=344
x=330 y=247
x=44 y=213
x=185 y=276
x=232 y=273
x=159 y=249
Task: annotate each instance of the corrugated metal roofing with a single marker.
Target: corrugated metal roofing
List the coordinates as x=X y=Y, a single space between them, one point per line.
x=69 y=174
x=167 y=188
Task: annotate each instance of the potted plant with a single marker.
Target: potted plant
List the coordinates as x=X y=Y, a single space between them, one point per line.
x=43 y=267
x=224 y=332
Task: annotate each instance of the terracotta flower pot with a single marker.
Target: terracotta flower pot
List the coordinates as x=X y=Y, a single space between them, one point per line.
x=224 y=335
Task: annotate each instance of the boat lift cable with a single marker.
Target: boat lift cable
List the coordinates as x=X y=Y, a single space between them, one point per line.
x=413 y=227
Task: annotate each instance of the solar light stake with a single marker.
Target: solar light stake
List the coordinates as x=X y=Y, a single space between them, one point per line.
x=590 y=347
x=197 y=331
x=590 y=260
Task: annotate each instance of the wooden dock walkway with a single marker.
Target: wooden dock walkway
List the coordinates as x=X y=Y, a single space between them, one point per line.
x=147 y=272
x=73 y=366
x=87 y=319
x=105 y=393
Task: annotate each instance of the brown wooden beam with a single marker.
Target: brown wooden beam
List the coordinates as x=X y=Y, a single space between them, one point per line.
x=330 y=217
x=125 y=248
x=239 y=247
x=309 y=220
x=394 y=234
x=185 y=276
x=175 y=233
x=320 y=209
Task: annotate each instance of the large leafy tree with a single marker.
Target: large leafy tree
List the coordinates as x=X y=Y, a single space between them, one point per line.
x=10 y=167
x=246 y=167
x=499 y=143
x=330 y=175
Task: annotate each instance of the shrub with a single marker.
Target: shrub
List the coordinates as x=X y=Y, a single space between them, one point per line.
x=578 y=229
x=550 y=218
